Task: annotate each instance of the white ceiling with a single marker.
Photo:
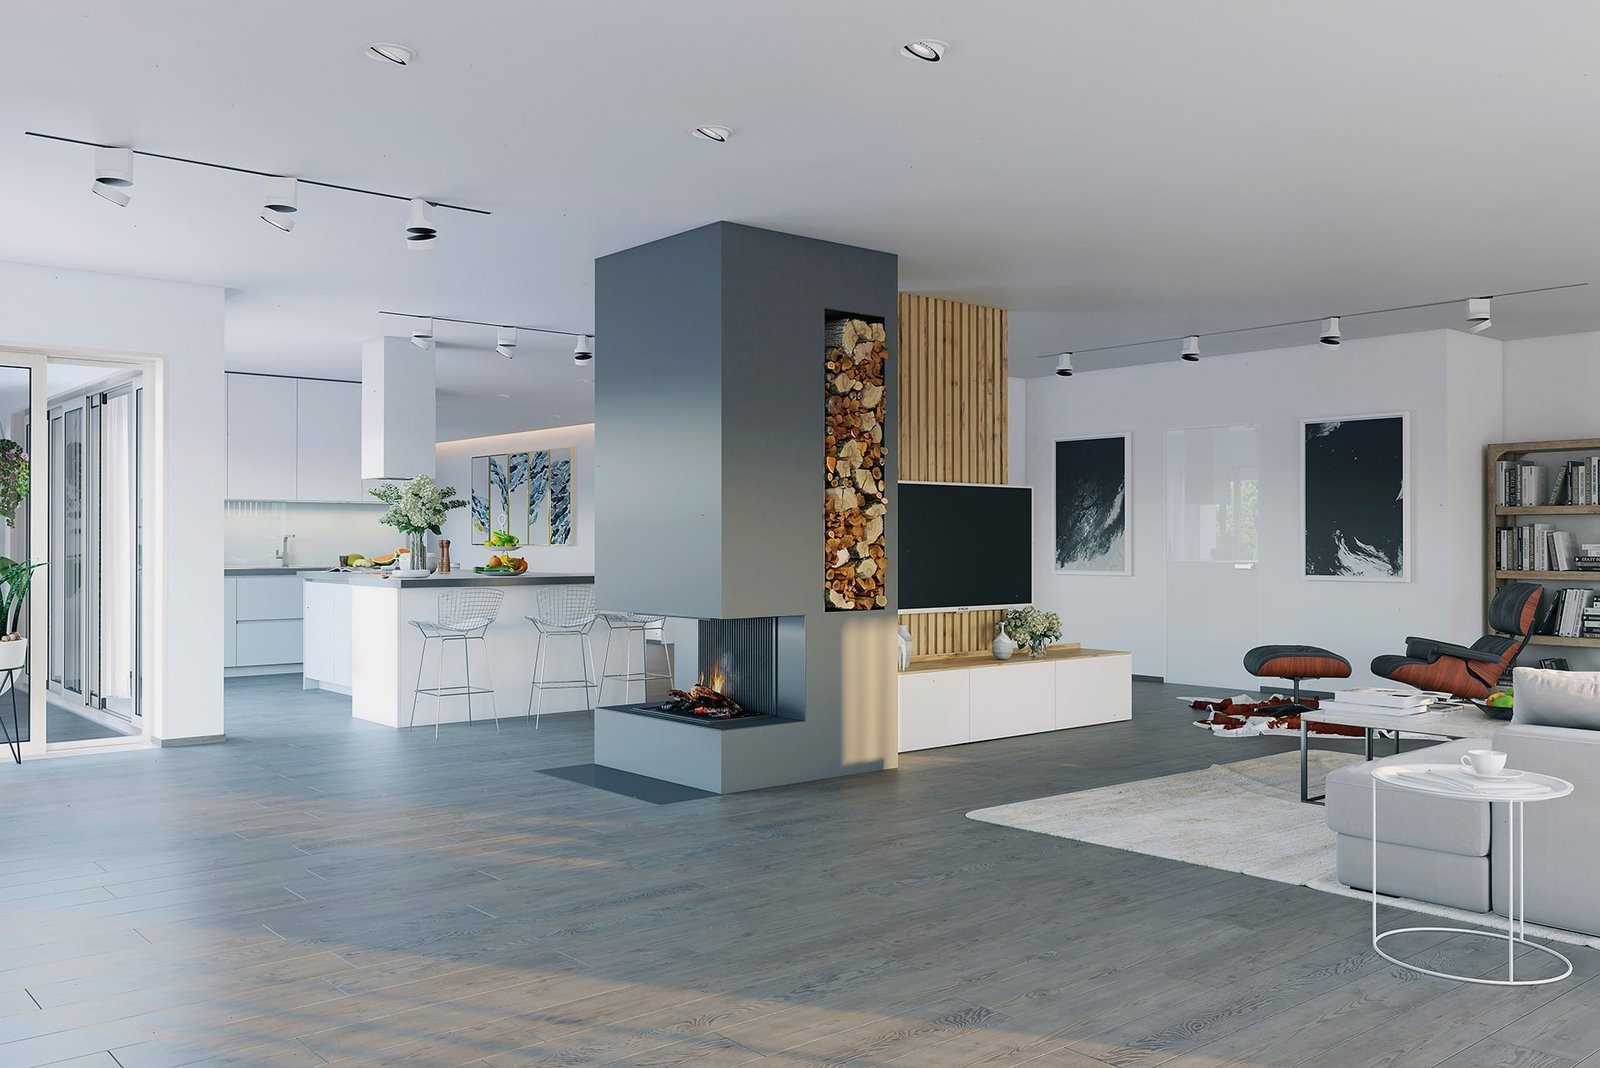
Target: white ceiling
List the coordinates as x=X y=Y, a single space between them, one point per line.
x=1110 y=172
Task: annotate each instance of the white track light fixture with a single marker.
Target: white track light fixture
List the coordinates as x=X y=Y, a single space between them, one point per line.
x=506 y=341
x=420 y=231
x=279 y=202
x=113 y=173
x=1064 y=365
x=584 y=352
x=1478 y=315
x=1191 y=349
x=1330 y=332
x=422 y=334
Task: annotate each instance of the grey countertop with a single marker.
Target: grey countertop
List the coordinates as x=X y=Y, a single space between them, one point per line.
x=454 y=578
x=272 y=569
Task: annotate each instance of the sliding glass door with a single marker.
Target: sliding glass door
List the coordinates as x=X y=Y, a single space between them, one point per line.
x=24 y=477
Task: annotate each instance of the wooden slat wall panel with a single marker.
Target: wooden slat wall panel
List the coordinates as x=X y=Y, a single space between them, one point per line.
x=952 y=429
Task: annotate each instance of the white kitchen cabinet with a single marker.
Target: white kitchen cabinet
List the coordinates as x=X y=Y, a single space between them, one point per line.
x=265 y=642
x=262 y=428
x=328 y=441
x=230 y=615
x=262 y=597
x=327 y=636
x=977 y=698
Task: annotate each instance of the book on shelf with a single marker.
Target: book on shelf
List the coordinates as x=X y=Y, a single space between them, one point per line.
x=1571 y=607
x=1387 y=696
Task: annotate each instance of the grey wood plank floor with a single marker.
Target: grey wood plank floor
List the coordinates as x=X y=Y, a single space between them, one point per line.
x=320 y=890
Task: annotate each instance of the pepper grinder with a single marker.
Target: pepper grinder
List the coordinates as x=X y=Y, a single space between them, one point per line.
x=444 y=555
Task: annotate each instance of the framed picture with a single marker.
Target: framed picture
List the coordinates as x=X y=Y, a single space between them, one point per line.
x=526 y=494
x=1093 y=476
x=1357 y=520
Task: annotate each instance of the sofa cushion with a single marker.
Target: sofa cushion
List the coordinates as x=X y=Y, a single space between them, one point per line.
x=1405 y=817
x=1556 y=698
x=1422 y=874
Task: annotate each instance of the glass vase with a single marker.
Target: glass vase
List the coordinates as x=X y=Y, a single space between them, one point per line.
x=1037 y=650
x=417 y=554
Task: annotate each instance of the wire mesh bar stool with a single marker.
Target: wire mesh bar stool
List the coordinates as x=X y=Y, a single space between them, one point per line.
x=630 y=624
x=561 y=612
x=464 y=616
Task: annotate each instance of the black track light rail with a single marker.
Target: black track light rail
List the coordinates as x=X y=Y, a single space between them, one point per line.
x=497 y=326
x=1306 y=322
x=258 y=174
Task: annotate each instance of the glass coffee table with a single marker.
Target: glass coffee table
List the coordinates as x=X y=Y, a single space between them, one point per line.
x=1444 y=719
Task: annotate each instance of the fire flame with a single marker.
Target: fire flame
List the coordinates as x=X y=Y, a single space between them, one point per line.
x=717 y=680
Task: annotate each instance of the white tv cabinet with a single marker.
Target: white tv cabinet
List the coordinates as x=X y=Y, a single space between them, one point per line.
x=974 y=697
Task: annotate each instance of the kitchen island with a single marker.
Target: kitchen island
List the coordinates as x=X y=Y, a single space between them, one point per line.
x=359 y=641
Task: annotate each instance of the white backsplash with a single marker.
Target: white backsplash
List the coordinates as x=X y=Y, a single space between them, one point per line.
x=252 y=531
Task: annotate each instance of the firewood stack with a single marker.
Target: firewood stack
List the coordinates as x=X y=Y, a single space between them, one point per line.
x=857 y=404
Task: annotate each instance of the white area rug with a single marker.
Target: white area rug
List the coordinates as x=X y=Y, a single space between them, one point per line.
x=1244 y=817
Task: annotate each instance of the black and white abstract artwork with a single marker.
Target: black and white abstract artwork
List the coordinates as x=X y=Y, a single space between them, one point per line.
x=1355 y=498
x=528 y=495
x=1092 y=506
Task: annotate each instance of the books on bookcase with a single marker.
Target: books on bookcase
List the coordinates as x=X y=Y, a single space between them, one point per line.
x=1520 y=484
x=1575 y=613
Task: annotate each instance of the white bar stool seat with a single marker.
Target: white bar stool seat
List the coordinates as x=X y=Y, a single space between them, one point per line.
x=630 y=624
x=464 y=616
x=561 y=612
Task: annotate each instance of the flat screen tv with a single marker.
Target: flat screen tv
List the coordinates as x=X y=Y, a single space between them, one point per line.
x=965 y=546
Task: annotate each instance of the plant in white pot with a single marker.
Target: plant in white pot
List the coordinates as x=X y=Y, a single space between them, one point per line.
x=15 y=578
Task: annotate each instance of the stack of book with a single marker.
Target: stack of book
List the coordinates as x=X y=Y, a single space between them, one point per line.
x=1587 y=558
x=1381 y=701
x=1525 y=485
x=1573 y=613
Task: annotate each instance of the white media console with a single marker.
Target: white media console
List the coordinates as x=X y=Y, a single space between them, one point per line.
x=974 y=697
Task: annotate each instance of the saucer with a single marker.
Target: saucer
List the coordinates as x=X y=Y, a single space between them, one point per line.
x=1505 y=773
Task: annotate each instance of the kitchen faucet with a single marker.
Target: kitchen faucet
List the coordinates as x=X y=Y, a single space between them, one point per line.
x=283 y=551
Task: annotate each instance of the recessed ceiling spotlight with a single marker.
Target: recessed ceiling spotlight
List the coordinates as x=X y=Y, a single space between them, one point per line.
x=506 y=341
x=1191 y=349
x=928 y=50
x=420 y=231
x=1478 y=315
x=398 y=54
x=1330 y=332
x=584 y=352
x=279 y=202
x=113 y=172
x=720 y=134
x=1064 y=365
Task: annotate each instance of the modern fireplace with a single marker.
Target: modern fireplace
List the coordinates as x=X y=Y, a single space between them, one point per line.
x=749 y=672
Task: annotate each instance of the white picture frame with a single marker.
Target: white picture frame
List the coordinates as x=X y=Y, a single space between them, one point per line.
x=1347 y=530
x=1087 y=504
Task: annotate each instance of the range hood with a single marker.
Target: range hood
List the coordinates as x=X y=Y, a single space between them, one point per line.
x=399 y=411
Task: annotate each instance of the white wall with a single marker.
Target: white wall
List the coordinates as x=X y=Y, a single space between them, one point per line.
x=455 y=469
x=47 y=309
x=1447 y=382
x=1552 y=391
x=1017 y=431
x=252 y=532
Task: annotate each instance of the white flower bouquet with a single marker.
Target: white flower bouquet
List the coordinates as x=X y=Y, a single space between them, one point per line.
x=1034 y=628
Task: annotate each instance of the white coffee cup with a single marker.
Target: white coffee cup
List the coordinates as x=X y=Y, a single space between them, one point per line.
x=1484 y=761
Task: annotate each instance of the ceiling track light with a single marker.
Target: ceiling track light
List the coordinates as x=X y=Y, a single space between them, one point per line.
x=584 y=351
x=1064 y=365
x=420 y=231
x=1330 y=332
x=422 y=334
x=279 y=203
x=395 y=54
x=1191 y=349
x=719 y=134
x=1478 y=319
x=506 y=341
x=927 y=50
x=113 y=173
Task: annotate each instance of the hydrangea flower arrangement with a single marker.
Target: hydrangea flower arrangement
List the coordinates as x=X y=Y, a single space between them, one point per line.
x=419 y=506
x=1034 y=628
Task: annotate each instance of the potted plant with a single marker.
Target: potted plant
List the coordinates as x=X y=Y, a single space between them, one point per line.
x=1034 y=628
x=15 y=578
x=416 y=509
x=14 y=471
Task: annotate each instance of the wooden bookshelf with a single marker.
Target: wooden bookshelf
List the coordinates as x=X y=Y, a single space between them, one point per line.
x=1551 y=453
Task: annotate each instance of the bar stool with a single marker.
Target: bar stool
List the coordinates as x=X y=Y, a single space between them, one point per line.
x=464 y=616
x=631 y=623
x=561 y=612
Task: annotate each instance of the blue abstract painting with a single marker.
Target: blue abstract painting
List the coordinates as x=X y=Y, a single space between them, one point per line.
x=561 y=498
x=538 y=487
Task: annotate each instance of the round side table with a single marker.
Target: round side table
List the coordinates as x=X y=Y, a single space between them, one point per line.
x=1452 y=781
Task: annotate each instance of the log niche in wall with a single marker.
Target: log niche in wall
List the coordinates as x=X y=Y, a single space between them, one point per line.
x=857 y=401
x=952 y=429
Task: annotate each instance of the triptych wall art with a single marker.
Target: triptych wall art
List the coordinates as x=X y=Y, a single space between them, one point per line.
x=1357 y=524
x=1092 y=478
x=526 y=494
